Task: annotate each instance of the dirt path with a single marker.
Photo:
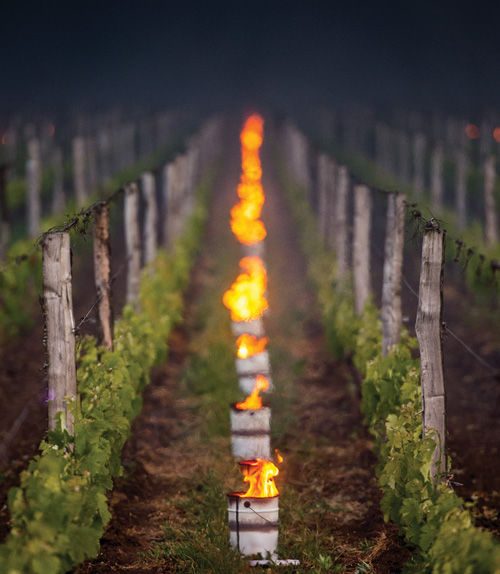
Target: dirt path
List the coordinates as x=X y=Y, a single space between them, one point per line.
x=169 y=509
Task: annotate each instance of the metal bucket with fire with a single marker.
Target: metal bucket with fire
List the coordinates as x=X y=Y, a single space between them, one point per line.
x=253 y=524
x=250 y=433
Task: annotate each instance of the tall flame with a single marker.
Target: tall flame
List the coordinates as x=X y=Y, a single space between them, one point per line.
x=245 y=215
x=250 y=345
x=246 y=297
x=254 y=401
x=259 y=474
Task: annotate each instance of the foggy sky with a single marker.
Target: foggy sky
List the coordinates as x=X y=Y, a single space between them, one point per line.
x=153 y=53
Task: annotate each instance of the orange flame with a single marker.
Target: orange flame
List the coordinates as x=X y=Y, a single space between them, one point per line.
x=246 y=297
x=249 y=345
x=259 y=474
x=245 y=215
x=254 y=401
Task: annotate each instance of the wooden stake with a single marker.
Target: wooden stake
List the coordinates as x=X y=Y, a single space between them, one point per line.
x=437 y=188
x=58 y=197
x=341 y=231
x=429 y=334
x=361 y=247
x=490 y=211
x=392 y=317
x=331 y=178
x=150 y=217
x=419 y=163
x=322 y=179
x=102 y=273
x=79 y=171
x=133 y=243
x=4 y=213
x=166 y=205
x=461 y=188
x=60 y=329
x=34 y=183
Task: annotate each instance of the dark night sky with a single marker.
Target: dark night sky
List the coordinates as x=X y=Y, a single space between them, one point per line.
x=281 y=53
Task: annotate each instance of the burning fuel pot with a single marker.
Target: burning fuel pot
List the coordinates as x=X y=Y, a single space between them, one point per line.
x=247 y=383
x=253 y=524
x=250 y=433
x=258 y=363
x=253 y=327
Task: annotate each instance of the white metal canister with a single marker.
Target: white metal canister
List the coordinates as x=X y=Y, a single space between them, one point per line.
x=250 y=433
x=247 y=384
x=255 y=250
x=253 y=327
x=258 y=363
x=253 y=525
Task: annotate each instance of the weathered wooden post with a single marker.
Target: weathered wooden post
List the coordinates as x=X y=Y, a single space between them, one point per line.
x=429 y=334
x=404 y=157
x=437 y=188
x=461 y=187
x=165 y=206
x=79 y=171
x=91 y=157
x=331 y=178
x=341 y=228
x=490 y=211
x=361 y=247
x=322 y=182
x=150 y=217
x=58 y=197
x=392 y=316
x=419 y=163
x=34 y=183
x=4 y=213
x=60 y=329
x=133 y=242
x=102 y=274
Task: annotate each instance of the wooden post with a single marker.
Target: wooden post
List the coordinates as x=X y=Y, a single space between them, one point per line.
x=166 y=205
x=419 y=163
x=150 y=217
x=60 y=329
x=34 y=183
x=331 y=176
x=58 y=198
x=79 y=171
x=102 y=275
x=437 y=188
x=133 y=242
x=404 y=157
x=392 y=316
x=322 y=183
x=4 y=213
x=91 y=157
x=490 y=211
x=361 y=247
x=461 y=188
x=429 y=334
x=341 y=231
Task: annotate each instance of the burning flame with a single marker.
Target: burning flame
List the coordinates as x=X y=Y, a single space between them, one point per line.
x=254 y=401
x=245 y=215
x=259 y=474
x=246 y=297
x=250 y=345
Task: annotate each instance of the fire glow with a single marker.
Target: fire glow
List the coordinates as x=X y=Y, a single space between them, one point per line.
x=254 y=400
x=246 y=298
x=259 y=474
x=249 y=345
x=245 y=215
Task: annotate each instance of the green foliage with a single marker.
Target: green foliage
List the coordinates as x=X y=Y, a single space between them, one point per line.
x=20 y=281
x=432 y=517
x=59 y=512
